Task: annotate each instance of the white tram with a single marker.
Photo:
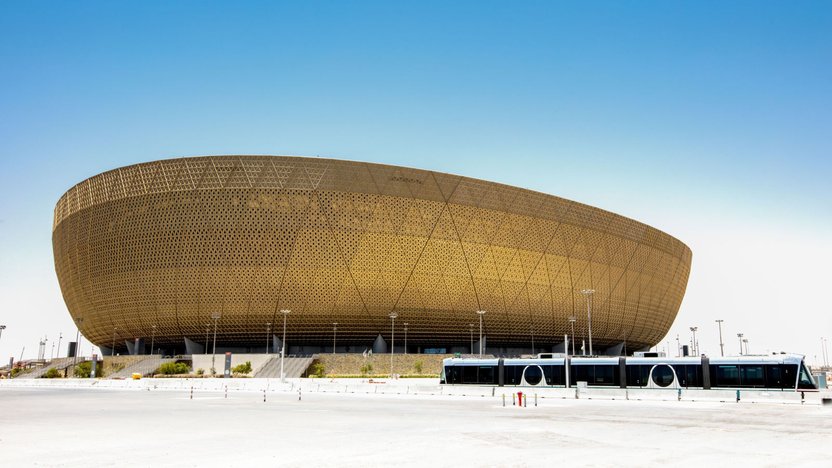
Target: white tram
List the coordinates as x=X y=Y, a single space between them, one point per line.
x=783 y=372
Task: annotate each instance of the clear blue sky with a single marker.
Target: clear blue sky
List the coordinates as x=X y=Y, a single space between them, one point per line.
x=709 y=120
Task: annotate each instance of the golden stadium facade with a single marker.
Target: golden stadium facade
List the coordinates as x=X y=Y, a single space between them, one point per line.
x=165 y=250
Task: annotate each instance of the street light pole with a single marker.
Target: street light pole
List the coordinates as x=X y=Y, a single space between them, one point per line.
x=113 y=349
x=405 y=337
x=77 y=342
x=739 y=335
x=60 y=337
x=745 y=340
x=216 y=316
x=471 y=330
x=392 y=316
x=480 y=313
x=588 y=293
x=334 y=333
x=695 y=346
x=721 y=349
x=285 y=313
x=268 y=330
x=153 y=340
x=572 y=320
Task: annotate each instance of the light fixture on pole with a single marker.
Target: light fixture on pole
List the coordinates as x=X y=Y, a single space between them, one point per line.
x=153 y=340
x=739 y=335
x=745 y=340
x=721 y=349
x=285 y=313
x=695 y=347
x=471 y=330
x=588 y=293
x=207 y=332
x=268 y=330
x=60 y=337
x=216 y=316
x=334 y=332
x=678 y=347
x=113 y=349
x=405 y=337
x=392 y=316
x=572 y=320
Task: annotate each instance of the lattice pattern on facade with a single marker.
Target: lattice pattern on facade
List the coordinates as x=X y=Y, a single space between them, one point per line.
x=169 y=243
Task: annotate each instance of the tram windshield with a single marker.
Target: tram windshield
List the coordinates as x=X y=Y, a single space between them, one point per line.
x=806 y=381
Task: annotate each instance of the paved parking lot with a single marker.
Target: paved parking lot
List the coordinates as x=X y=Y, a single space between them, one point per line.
x=93 y=427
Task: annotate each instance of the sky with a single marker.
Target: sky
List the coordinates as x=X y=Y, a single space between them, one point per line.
x=707 y=120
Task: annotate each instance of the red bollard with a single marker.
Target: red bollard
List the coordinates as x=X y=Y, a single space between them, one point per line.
x=519 y=398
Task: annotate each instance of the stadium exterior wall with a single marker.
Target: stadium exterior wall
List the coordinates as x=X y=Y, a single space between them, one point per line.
x=152 y=251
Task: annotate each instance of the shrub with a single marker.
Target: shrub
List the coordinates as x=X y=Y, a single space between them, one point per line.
x=418 y=366
x=17 y=371
x=242 y=368
x=84 y=370
x=52 y=374
x=200 y=372
x=173 y=368
x=316 y=370
x=366 y=369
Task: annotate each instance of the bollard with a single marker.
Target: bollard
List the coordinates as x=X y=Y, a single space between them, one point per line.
x=298 y=393
x=678 y=394
x=492 y=390
x=738 y=396
x=512 y=399
x=504 y=400
x=535 y=399
x=192 y=392
x=264 y=396
x=226 y=391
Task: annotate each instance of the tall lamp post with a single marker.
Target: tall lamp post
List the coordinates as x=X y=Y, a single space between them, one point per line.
x=216 y=316
x=334 y=332
x=588 y=293
x=153 y=340
x=60 y=337
x=268 y=330
x=207 y=332
x=745 y=340
x=825 y=353
x=739 y=335
x=471 y=330
x=695 y=346
x=77 y=342
x=113 y=349
x=405 y=337
x=721 y=348
x=480 y=313
x=572 y=320
x=285 y=313
x=392 y=316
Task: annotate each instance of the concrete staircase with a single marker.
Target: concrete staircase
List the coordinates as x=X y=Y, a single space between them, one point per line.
x=145 y=367
x=59 y=363
x=293 y=367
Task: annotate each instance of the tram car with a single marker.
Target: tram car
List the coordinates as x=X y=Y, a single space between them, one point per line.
x=782 y=372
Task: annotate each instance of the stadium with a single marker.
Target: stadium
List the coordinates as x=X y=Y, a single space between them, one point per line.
x=184 y=255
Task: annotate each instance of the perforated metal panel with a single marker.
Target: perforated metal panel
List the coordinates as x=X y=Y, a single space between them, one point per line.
x=169 y=243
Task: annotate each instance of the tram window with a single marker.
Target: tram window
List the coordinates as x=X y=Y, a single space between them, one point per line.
x=789 y=375
x=637 y=375
x=533 y=375
x=452 y=375
x=554 y=375
x=752 y=376
x=774 y=377
x=512 y=375
x=662 y=375
x=726 y=376
x=486 y=375
x=469 y=374
x=604 y=375
x=581 y=374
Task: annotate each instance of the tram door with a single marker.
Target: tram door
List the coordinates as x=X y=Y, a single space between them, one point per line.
x=662 y=376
